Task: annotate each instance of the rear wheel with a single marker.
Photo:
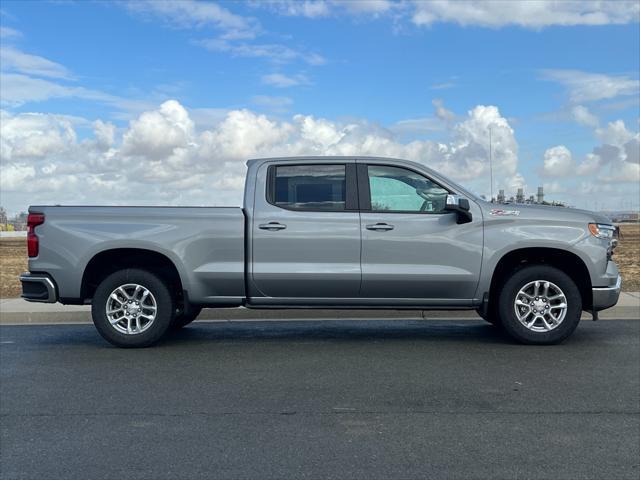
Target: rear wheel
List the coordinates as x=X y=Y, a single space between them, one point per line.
x=540 y=305
x=132 y=308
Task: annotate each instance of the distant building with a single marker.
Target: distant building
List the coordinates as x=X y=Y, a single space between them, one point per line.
x=520 y=197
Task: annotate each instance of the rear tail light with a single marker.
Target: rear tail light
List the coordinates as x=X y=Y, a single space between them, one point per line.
x=33 y=220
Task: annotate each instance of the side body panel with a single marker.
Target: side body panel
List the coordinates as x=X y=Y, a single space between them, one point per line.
x=544 y=227
x=205 y=244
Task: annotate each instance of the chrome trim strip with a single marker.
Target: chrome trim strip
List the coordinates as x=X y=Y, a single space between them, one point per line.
x=52 y=296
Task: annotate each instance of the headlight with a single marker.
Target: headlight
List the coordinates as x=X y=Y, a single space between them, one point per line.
x=601 y=231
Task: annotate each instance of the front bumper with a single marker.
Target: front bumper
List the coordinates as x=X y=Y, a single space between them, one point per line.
x=38 y=287
x=605 y=297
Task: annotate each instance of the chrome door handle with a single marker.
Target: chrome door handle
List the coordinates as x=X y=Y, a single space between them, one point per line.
x=379 y=227
x=272 y=226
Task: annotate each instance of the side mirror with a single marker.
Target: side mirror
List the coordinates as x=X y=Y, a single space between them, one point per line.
x=455 y=203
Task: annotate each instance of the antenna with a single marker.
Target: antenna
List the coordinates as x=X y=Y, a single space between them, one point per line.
x=491 y=163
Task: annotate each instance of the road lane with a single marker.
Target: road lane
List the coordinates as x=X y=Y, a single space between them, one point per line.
x=321 y=399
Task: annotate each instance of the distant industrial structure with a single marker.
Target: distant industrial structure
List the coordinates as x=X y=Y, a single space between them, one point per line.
x=537 y=199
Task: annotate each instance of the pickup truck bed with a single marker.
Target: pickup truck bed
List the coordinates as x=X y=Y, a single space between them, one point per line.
x=205 y=244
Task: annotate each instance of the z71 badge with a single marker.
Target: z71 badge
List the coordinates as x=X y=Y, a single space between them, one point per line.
x=504 y=213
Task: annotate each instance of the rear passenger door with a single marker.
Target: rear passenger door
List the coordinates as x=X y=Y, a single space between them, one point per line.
x=305 y=233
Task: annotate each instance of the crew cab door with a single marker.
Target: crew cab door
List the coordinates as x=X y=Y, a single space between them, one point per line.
x=305 y=233
x=412 y=248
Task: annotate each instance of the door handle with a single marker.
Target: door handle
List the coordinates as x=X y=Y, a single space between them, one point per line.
x=379 y=227
x=272 y=226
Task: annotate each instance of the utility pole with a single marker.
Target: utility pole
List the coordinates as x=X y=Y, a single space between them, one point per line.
x=491 y=163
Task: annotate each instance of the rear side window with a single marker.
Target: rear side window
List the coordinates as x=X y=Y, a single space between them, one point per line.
x=309 y=187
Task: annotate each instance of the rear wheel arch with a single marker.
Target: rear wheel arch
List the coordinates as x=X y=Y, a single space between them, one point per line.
x=563 y=260
x=109 y=261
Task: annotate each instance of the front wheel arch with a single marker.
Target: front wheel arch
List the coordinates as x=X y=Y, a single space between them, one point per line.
x=565 y=261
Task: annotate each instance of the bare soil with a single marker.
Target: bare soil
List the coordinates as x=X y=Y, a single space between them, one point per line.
x=13 y=261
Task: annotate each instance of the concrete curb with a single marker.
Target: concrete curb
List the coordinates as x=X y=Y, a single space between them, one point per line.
x=15 y=311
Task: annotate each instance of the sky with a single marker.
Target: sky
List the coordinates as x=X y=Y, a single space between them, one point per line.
x=162 y=102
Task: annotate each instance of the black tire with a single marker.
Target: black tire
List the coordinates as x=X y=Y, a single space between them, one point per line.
x=183 y=318
x=164 y=308
x=518 y=280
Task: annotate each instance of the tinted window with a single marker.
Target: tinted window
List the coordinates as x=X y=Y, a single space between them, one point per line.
x=395 y=189
x=310 y=187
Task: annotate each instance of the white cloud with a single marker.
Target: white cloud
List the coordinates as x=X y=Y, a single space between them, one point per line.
x=235 y=33
x=326 y=8
x=18 y=89
x=614 y=161
x=164 y=157
x=442 y=86
x=192 y=13
x=7 y=32
x=281 y=80
x=297 y=8
x=34 y=135
x=15 y=60
x=441 y=112
x=275 y=104
x=558 y=162
x=583 y=116
x=615 y=133
x=274 y=52
x=528 y=14
x=588 y=87
x=160 y=133
x=589 y=166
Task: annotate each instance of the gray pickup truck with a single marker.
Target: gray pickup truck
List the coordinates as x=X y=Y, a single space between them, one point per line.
x=330 y=232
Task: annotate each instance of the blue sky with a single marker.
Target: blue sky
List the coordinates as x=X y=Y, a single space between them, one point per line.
x=85 y=86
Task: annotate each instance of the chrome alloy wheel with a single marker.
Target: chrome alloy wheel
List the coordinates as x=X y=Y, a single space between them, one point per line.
x=131 y=309
x=540 y=306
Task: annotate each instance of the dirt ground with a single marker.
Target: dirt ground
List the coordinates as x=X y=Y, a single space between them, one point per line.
x=13 y=261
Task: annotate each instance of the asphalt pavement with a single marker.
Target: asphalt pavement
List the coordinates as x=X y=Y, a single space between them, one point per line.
x=347 y=399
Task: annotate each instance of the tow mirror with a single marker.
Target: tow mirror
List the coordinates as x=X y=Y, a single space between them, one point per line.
x=455 y=203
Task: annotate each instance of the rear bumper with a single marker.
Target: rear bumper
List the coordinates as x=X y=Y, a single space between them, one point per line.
x=38 y=287
x=605 y=297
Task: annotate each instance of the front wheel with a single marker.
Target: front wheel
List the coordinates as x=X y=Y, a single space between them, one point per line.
x=132 y=308
x=540 y=305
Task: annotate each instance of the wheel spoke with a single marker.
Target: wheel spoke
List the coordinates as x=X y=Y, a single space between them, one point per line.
x=123 y=292
x=545 y=292
x=131 y=313
x=533 y=308
x=561 y=305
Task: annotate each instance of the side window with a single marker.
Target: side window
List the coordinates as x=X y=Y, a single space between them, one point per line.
x=395 y=189
x=309 y=187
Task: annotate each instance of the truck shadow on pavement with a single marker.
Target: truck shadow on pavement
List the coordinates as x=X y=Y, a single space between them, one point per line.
x=467 y=332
